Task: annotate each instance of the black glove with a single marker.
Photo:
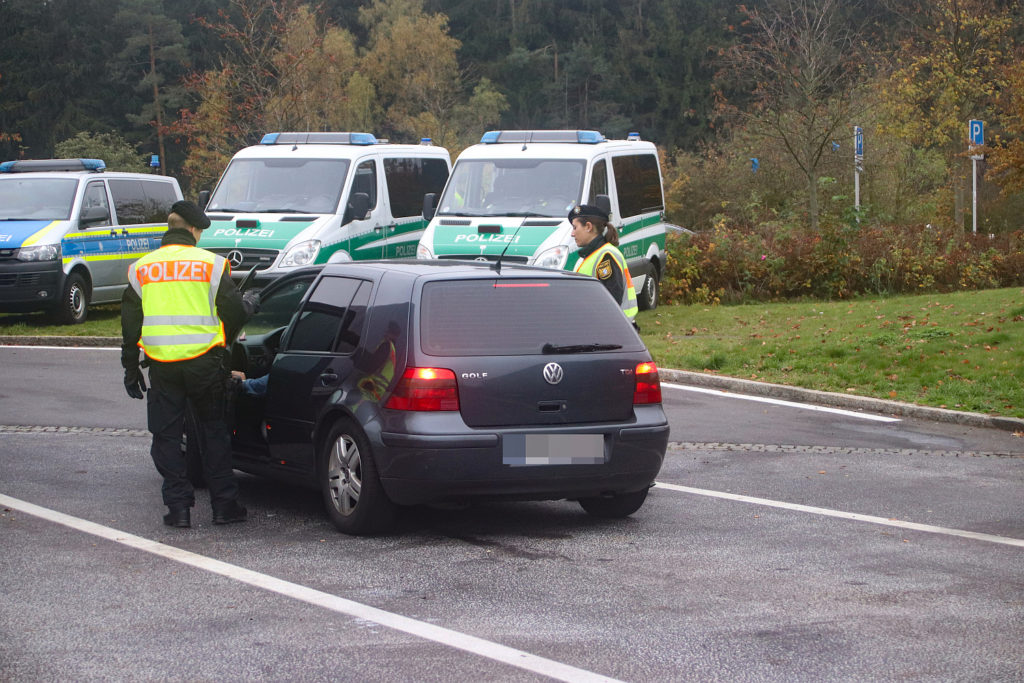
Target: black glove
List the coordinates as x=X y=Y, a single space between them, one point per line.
x=134 y=382
x=251 y=299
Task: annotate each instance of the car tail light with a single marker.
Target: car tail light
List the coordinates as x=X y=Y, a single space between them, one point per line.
x=425 y=389
x=648 y=384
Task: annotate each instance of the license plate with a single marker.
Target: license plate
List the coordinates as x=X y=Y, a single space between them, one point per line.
x=527 y=450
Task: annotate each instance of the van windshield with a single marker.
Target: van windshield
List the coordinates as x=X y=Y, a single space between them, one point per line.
x=36 y=199
x=281 y=186
x=513 y=187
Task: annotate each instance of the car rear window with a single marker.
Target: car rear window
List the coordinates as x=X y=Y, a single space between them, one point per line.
x=513 y=317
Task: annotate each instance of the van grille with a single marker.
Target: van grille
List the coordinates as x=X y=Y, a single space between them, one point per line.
x=260 y=259
x=486 y=257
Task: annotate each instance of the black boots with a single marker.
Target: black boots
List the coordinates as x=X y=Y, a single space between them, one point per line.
x=230 y=513
x=178 y=517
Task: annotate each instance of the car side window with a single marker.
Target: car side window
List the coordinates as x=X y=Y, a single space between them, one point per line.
x=325 y=314
x=408 y=179
x=598 y=181
x=159 y=199
x=365 y=180
x=277 y=307
x=95 y=208
x=637 y=183
x=129 y=201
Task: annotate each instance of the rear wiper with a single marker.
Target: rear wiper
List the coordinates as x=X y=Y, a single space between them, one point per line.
x=579 y=348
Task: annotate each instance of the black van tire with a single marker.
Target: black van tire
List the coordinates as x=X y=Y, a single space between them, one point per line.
x=74 y=301
x=614 y=507
x=192 y=448
x=350 y=484
x=647 y=297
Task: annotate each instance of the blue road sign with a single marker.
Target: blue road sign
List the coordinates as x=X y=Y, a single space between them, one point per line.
x=755 y=164
x=976 y=132
x=858 y=141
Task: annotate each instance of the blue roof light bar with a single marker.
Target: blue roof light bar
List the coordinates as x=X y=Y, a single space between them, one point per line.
x=315 y=138
x=43 y=165
x=584 y=137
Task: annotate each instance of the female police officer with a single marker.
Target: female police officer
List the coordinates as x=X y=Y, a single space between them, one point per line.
x=600 y=257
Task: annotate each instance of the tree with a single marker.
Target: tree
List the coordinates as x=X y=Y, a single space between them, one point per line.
x=801 y=59
x=117 y=153
x=154 y=47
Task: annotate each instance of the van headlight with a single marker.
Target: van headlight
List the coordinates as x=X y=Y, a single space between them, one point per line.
x=301 y=254
x=554 y=257
x=42 y=252
x=423 y=251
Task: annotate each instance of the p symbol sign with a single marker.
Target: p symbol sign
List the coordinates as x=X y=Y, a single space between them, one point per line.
x=976 y=132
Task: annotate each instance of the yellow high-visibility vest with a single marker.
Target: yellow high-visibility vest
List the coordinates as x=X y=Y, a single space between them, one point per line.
x=178 y=286
x=588 y=265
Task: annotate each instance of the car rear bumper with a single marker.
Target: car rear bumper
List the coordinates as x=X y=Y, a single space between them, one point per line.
x=420 y=468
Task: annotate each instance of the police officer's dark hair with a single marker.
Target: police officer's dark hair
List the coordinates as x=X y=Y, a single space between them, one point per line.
x=611 y=235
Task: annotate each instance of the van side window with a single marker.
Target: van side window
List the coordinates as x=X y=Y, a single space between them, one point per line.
x=324 y=314
x=129 y=200
x=159 y=198
x=409 y=179
x=365 y=180
x=638 y=184
x=598 y=181
x=96 y=198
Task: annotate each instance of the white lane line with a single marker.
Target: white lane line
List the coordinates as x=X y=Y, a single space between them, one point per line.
x=420 y=629
x=780 y=402
x=990 y=538
x=59 y=348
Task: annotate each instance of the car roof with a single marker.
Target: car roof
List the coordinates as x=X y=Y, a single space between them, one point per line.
x=318 y=151
x=554 y=150
x=88 y=174
x=448 y=269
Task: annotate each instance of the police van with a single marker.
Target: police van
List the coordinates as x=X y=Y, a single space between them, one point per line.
x=509 y=196
x=69 y=229
x=298 y=199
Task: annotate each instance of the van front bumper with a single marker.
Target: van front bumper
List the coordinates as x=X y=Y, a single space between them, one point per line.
x=30 y=286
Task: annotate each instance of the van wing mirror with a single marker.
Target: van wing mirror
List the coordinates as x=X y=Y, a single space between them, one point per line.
x=204 y=198
x=358 y=207
x=429 y=205
x=94 y=215
x=604 y=203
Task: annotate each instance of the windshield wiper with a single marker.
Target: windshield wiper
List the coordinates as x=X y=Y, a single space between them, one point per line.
x=579 y=348
x=282 y=211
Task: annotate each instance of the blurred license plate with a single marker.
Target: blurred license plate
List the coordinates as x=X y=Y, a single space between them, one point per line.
x=523 y=450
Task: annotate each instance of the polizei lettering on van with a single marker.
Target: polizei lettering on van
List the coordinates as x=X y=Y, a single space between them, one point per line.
x=243 y=232
x=475 y=237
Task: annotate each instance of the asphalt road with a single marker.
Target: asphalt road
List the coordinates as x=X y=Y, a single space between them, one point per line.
x=781 y=544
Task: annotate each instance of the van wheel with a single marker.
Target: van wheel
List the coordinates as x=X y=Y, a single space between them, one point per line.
x=614 y=507
x=192 y=444
x=352 y=492
x=74 y=301
x=647 y=298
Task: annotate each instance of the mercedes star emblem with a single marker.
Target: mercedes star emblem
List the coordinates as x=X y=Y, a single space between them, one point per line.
x=235 y=258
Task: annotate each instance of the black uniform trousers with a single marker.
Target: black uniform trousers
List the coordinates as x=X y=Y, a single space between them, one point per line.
x=201 y=381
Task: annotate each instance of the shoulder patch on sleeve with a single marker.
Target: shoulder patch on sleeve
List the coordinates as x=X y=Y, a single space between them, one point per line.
x=604 y=268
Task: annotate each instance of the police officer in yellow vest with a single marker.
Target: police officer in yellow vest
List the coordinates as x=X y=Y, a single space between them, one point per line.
x=600 y=257
x=180 y=308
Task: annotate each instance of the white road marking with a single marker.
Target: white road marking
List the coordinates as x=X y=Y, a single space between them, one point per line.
x=780 y=402
x=60 y=348
x=990 y=538
x=419 y=629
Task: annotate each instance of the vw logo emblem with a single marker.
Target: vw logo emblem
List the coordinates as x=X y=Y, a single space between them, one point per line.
x=553 y=373
x=235 y=258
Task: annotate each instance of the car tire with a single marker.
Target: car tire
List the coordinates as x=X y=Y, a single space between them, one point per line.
x=647 y=297
x=74 y=302
x=351 y=488
x=192 y=447
x=614 y=507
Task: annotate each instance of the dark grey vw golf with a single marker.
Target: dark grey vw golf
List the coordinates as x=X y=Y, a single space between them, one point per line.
x=396 y=383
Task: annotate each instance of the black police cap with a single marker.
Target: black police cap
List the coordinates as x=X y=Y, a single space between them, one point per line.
x=192 y=214
x=587 y=211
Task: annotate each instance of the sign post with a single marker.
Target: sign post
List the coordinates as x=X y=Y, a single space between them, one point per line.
x=976 y=135
x=858 y=164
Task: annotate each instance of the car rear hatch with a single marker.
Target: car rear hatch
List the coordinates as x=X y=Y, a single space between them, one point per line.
x=532 y=351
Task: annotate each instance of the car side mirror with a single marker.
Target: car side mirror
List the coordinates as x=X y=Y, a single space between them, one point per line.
x=358 y=207
x=604 y=203
x=94 y=215
x=204 y=198
x=429 y=206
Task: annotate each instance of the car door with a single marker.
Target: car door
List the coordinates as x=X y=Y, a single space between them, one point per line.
x=408 y=179
x=97 y=240
x=367 y=236
x=308 y=373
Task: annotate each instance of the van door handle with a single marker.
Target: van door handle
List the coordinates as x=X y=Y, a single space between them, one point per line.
x=378 y=228
x=328 y=378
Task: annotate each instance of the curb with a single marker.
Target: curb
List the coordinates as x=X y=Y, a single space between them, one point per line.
x=700 y=379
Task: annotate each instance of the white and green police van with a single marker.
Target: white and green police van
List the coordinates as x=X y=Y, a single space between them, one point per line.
x=297 y=199
x=510 y=196
x=69 y=229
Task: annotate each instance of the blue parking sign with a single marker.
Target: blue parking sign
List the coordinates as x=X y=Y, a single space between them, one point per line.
x=976 y=132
